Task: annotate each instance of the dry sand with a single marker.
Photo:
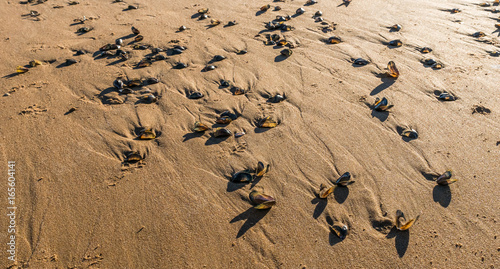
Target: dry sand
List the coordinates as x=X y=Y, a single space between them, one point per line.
x=79 y=206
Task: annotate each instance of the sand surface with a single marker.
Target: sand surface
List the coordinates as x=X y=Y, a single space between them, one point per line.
x=81 y=206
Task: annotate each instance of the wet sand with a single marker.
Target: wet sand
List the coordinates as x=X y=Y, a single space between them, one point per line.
x=81 y=205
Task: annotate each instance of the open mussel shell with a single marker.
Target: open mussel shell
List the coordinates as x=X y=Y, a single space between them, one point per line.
x=218 y=58
x=200 y=127
x=267 y=122
x=401 y=223
x=340 y=230
x=344 y=180
x=135 y=30
x=237 y=90
x=324 y=191
x=214 y=22
x=410 y=133
x=242 y=177
x=396 y=27
x=396 y=43
x=261 y=201
x=445 y=179
x=381 y=104
x=393 y=70
x=446 y=97
x=261 y=169
x=479 y=34
x=21 y=69
x=222 y=132
x=35 y=63
x=134 y=157
x=147 y=134
x=135 y=82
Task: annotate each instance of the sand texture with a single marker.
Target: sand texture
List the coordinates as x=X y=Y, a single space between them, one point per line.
x=82 y=205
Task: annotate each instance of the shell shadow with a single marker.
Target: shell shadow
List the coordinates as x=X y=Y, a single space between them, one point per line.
x=386 y=83
x=402 y=240
x=280 y=58
x=232 y=186
x=12 y=75
x=320 y=206
x=190 y=136
x=340 y=194
x=380 y=115
x=260 y=12
x=259 y=130
x=215 y=140
x=252 y=216
x=255 y=180
x=442 y=195
x=430 y=176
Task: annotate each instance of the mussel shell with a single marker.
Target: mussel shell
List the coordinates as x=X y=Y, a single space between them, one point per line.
x=125 y=91
x=231 y=23
x=196 y=95
x=147 y=134
x=393 y=70
x=426 y=50
x=340 y=231
x=241 y=52
x=223 y=120
x=334 y=40
x=402 y=224
x=35 y=63
x=265 y=8
x=203 y=17
x=428 y=61
x=286 y=52
x=396 y=43
x=21 y=69
x=151 y=81
x=282 y=43
x=151 y=98
x=203 y=10
x=300 y=11
x=446 y=97
x=180 y=65
x=222 y=132
x=214 y=22
x=135 y=30
x=318 y=13
x=70 y=61
x=135 y=82
x=176 y=51
x=232 y=116
x=240 y=134
x=277 y=98
x=267 y=122
x=324 y=191
x=396 y=27
x=410 y=133
x=224 y=83
x=444 y=179
x=118 y=84
x=134 y=157
x=344 y=180
x=182 y=28
x=479 y=34
x=219 y=58
x=438 y=65
x=361 y=61
x=381 y=104
x=209 y=67
x=144 y=63
x=237 y=90
x=261 y=201
x=242 y=177
x=200 y=127
x=261 y=169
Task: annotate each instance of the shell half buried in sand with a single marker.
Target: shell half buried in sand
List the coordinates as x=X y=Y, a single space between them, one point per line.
x=446 y=97
x=334 y=40
x=147 y=134
x=401 y=223
x=261 y=201
x=261 y=169
x=344 y=180
x=324 y=191
x=267 y=122
x=286 y=52
x=134 y=157
x=445 y=179
x=393 y=70
x=200 y=127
